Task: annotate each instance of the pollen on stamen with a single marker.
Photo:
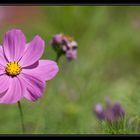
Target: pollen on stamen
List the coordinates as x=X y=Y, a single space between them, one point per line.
x=13 y=68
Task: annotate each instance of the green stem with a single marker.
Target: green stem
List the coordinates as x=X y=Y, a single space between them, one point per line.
x=21 y=116
x=57 y=57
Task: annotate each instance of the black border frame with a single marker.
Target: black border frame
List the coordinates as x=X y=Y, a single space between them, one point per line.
x=69 y=3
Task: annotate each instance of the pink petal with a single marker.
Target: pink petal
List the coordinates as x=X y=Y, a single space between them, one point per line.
x=2 y=70
x=14 y=44
x=14 y=92
x=46 y=70
x=3 y=60
x=34 y=87
x=33 y=52
x=4 y=83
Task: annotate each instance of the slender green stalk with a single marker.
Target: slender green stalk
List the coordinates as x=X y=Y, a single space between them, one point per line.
x=21 y=116
x=57 y=57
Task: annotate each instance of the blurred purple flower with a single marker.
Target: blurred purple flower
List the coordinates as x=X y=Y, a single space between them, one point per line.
x=118 y=110
x=70 y=50
x=57 y=39
x=99 y=112
x=63 y=44
x=111 y=113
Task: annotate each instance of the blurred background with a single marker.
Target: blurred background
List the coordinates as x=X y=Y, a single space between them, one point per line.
x=108 y=64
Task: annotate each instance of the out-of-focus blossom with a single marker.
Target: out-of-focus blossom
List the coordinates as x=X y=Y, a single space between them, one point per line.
x=2 y=14
x=99 y=112
x=118 y=110
x=57 y=40
x=111 y=113
x=70 y=50
x=18 y=14
x=64 y=44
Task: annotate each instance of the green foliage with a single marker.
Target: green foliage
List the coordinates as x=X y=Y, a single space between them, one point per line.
x=123 y=126
x=118 y=127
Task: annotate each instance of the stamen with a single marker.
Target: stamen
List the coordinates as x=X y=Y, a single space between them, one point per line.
x=13 y=68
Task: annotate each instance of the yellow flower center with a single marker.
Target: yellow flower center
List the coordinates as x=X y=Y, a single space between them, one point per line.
x=13 y=68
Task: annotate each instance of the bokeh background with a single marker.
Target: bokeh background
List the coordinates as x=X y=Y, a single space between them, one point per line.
x=108 y=64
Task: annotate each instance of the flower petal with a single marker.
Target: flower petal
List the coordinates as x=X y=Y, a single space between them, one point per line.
x=2 y=70
x=14 y=44
x=99 y=112
x=33 y=52
x=3 y=60
x=4 y=83
x=34 y=87
x=14 y=92
x=46 y=70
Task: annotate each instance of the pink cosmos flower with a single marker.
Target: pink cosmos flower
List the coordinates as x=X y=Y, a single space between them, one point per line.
x=22 y=74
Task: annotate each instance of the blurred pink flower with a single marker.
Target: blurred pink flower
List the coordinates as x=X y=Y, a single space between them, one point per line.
x=64 y=44
x=22 y=74
x=57 y=39
x=18 y=14
x=70 y=49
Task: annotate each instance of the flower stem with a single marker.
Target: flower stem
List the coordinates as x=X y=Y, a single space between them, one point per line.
x=57 y=58
x=21 y=116
x=58 y=55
